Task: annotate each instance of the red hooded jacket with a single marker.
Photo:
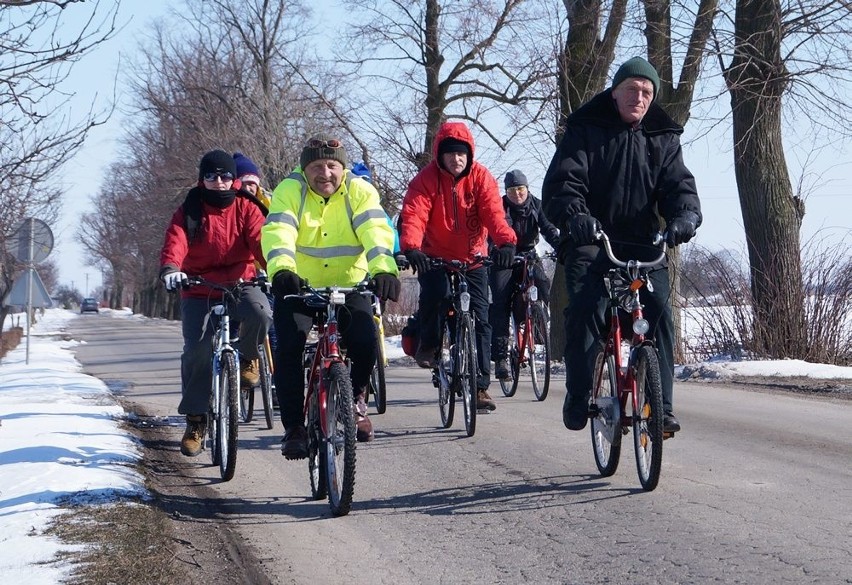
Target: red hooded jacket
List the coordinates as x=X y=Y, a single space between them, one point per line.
x=451 y=217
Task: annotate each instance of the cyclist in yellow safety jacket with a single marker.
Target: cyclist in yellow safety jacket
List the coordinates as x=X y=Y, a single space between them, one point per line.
x=328 y=228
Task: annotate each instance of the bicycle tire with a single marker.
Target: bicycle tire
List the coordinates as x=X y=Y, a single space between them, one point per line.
x=212 y=417
x=446 y=391
x=539 y=350
x=246 y=404
x=466 y=365
x=648 y=420
x=340 y=442
x=378 y=388
x=316 y=452
x=510 y=385
x=265 y=366
x=606 y=422
x=228 y=415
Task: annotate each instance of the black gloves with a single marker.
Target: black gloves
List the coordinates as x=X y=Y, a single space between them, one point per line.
x=285 y=283
x=681 y=229
x=386 y=286
x=582 y=229
x=504 y=256
x=418 y=260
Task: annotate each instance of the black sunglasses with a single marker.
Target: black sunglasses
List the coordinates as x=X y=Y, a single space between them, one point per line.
x=324 y=144
x=213 y=176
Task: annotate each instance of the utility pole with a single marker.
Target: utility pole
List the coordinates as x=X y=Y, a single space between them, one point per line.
x=87 y=285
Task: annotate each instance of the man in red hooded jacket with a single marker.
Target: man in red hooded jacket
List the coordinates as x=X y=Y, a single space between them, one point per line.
x=450 y=208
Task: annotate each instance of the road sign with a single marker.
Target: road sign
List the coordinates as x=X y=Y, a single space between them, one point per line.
x=18 y=295
x=32 y=242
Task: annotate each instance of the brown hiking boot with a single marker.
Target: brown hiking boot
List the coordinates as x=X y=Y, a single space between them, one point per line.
x=363 y=425
x=193 y=437
x=483 y=400
x=249 y=374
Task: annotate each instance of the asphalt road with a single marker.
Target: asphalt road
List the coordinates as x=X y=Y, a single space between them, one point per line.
x=757 y=488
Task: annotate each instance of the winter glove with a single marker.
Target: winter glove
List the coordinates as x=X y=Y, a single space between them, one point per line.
x=175 y=280
x=582 y=229
x=286 y=282
x=504 y=256
x=681 y=229
x=418 y=260
x=386 y=286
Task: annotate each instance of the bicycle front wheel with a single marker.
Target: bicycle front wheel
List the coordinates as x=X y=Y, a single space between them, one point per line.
x=246 y=404
x=265 y=366
x=466 y=372
x=446 y=386
x=510 y=385
x=316 y=450
x=377 y=378
x=606 y=422
x=228 y=414
x=340 y=441
x=648 y=418
x=539 y=351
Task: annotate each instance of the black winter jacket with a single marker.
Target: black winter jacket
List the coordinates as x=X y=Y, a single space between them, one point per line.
x=527 y=221
x=624 y=177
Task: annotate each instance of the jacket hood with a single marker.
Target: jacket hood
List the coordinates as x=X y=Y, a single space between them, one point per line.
x=601 y=110
x=459 y=131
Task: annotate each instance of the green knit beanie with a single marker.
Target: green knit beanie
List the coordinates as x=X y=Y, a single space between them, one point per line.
x=637 y=67
x=323 y=145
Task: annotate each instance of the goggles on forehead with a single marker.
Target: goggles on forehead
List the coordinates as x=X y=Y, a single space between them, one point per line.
x=324 y=143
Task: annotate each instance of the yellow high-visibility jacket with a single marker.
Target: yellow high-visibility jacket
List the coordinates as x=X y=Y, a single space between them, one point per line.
x=333 y=242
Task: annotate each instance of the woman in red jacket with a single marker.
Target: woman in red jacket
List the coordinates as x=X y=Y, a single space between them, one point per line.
x=215 y=234
x=449 y=209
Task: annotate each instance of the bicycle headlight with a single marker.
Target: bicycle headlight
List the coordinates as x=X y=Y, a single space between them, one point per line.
x=641 y=326
x=337 y=298
x=533 y=292
x=465 y=301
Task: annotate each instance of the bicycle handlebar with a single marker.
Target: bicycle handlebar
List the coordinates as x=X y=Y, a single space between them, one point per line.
x=659 y=242
x=459 y=265
x=259 y=281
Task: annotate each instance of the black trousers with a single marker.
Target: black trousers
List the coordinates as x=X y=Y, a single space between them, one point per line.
x=503 y=285
x=586 y=325
x=293 y=321
x=434 y=302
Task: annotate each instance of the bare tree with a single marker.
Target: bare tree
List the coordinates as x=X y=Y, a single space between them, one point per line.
x=781 y=49
x=38 y=131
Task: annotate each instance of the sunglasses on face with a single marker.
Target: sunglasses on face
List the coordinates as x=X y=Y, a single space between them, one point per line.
x=213 y=176
x=324 y=144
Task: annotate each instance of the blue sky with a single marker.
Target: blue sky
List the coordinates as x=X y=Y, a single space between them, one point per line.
x=708 y=157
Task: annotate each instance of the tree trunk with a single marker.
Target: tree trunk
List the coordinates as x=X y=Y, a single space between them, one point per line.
x=772 y=216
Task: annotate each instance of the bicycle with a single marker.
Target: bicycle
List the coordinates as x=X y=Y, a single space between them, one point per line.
x=635 y=381
x=223 y=410
x=457 y=369
x=529 y=338
x=377 y=387
x=266 y=385
x=329 y=402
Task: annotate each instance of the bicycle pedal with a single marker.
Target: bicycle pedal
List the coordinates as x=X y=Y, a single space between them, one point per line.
x=668 y=435
x=483 y=411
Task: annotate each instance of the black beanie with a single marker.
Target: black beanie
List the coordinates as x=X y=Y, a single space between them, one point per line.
x=637 y=67
x=317 y=147
x=216 y=161
x=450 y=144
x=515 y=178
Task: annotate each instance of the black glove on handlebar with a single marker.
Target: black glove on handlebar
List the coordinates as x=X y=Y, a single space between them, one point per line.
x=387 y=286
x=504 y=256
x=681 y=229
x=418 y=260
x=582 y=229
x=286 y=282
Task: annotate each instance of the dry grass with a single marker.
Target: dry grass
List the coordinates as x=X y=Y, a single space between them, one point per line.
x=10 y=339
x=127 y=542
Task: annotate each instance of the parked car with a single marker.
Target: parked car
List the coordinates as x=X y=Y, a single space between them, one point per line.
x=89 y=305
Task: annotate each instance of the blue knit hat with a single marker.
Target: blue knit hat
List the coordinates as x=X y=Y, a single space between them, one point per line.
x=247 y=171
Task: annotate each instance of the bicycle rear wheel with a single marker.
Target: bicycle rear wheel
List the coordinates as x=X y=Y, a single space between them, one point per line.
x=340 y=442
x=648 y=419
x=228 y=416
x=466 y=372
x=316 y=451
x=213 y=417
x=265 y=366
x=446 y=387
x=378 y=387
x=606 y=422
x=539 y=352
x=246 y=404
x=510 y=385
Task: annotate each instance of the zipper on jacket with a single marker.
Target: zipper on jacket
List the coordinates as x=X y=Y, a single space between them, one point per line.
x=455 y=207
